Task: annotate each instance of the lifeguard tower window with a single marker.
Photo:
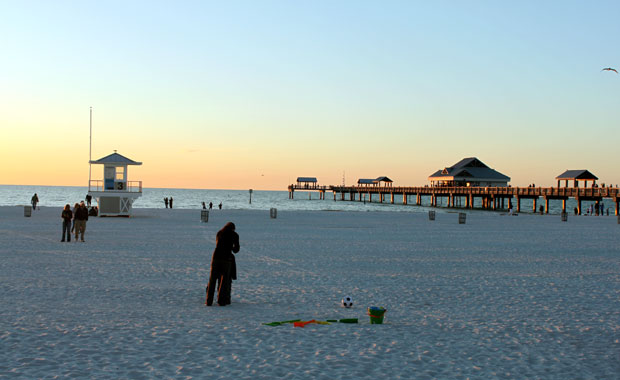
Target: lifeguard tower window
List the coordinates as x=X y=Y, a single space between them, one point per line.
x=120 y=173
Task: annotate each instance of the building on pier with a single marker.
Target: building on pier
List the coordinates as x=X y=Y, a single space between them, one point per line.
x=576 y=176
x=470 y=172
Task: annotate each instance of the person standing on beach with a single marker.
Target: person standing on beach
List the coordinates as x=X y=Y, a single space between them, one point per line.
x=34 y=200
x=220 y=205
x=210 y=205
x=75 y=208
x=170 y=202
x=66 y=216
x=226 y=243
x=89 y=199
x=81 y=216
x=166 y=202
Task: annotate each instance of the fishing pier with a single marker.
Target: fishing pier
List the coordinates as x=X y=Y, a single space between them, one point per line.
x=491 y=198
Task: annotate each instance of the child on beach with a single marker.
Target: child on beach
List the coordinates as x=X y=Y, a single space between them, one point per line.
x=66 y=216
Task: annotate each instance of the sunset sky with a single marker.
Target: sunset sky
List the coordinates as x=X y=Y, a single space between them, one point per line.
x=252 y=94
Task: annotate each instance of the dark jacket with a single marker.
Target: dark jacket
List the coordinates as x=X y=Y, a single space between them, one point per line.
x=67 y=215
x=226 y=243
x=81 y=213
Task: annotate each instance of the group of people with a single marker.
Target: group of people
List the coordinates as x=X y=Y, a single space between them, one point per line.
x=204 y=206
x=74 y=221
x=168 y=202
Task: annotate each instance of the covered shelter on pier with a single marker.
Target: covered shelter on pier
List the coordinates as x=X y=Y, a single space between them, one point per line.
x=470 y=172
x=576 y=176
x=386 y=181
x=375 y=181
x=366 y=182
x=307 y=182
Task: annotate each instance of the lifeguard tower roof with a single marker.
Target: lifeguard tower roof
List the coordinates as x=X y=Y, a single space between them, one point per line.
x=115 y=159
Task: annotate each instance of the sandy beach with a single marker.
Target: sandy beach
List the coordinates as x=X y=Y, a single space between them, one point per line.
x=500 y=297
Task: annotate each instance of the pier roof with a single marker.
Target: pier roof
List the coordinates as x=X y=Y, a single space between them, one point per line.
x=469 y=168
x=577 y=175
x=307 y=179
x=115 y=158
x=365 y=181
x=383 y=179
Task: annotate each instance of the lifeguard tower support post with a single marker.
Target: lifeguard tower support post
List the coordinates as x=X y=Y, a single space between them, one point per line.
x=115 y=194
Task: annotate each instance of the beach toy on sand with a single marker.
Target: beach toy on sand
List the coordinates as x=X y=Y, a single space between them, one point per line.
x=347 y=301
x=303 y=324
x=281 y=322
x=343 y=320
x=376 y=314
x=300 y=323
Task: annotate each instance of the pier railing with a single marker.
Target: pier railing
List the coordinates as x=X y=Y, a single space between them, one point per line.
x=128 y=187
x=524 y=192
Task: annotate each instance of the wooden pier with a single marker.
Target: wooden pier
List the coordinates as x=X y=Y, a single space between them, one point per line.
x=492 y=198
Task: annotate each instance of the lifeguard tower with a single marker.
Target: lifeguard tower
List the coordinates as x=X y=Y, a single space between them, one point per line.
x=115 y=194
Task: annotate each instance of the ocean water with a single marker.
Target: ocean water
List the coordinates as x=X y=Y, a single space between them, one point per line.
x=58 y=196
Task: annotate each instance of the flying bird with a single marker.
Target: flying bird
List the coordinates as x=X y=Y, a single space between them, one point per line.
x=610 y=69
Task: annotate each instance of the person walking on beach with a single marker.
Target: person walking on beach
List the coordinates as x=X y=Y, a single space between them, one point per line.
x=210 y=205
x=204 y=206
x=220 y=205
x=34 y=200
x=166 y=202
x=66 y=216
x=81 y=216
x=170 y=202
x=226 y=243
x=89 y=199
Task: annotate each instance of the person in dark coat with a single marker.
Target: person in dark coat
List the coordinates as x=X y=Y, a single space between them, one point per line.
x=81 y=216
x=170 y=202
x=66 y=216
x=226 y=243
x=34 y=200
x=166 y=202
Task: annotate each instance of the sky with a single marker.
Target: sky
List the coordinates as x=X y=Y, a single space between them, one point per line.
x=253 y=94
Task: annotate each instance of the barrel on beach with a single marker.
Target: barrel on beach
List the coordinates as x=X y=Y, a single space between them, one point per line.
x=27 y=211
x=462 y=217
x=564 y=216
x=376 y=315
x=431 y=215
x=273 y=213
x=204 y=216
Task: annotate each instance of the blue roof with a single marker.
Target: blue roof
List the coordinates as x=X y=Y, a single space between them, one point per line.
x=115 y=158
x=306 y=179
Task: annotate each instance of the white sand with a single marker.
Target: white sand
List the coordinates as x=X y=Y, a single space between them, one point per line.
x=526 y=297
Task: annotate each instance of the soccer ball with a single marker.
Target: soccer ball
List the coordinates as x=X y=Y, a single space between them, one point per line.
x=347 y=301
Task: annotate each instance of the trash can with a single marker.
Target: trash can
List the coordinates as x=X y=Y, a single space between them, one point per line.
x=27 y=211
x=204 y=216
x=462 y=217
x=376 y=314
x=431 y=215
x=564 y=216
x=273 y=213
